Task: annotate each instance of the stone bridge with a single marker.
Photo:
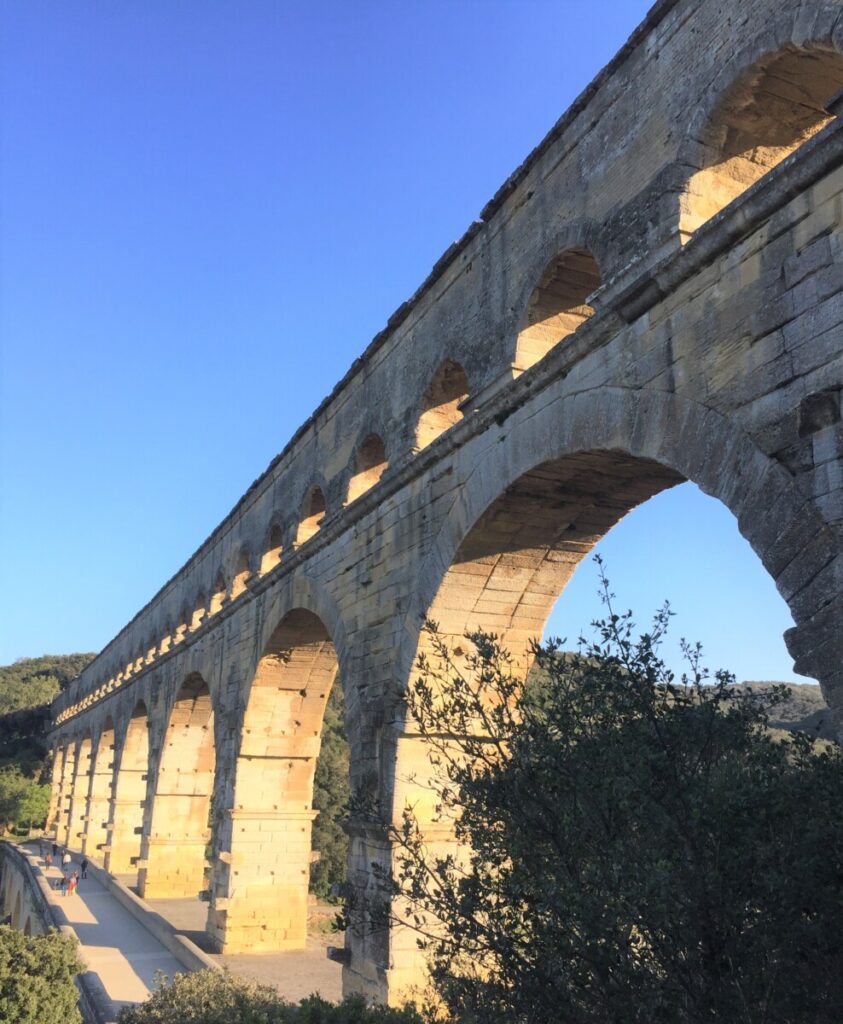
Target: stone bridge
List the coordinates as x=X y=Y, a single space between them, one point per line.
x=655 y=295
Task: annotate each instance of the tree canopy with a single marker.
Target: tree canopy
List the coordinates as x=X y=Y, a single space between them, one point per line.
x=629 y=847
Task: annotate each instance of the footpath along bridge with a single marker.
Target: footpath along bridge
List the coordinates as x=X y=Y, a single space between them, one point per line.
x=655 y=295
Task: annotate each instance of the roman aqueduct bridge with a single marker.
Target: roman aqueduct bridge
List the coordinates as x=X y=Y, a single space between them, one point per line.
x=655 y=295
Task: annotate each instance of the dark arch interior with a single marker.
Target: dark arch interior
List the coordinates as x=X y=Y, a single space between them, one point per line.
x=558 y=305
x=775 y=107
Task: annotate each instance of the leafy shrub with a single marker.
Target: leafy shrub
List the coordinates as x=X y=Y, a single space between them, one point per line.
x=36 y=978
x=631 y=849
x=217 y=997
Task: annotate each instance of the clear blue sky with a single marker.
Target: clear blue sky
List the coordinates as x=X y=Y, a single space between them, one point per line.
x=208 y=209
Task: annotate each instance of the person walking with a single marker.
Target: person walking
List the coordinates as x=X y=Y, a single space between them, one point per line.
x=66 y=861
x=84 y=867
x=71 y=884
x=48 y=860
x=55 y=849
x=63 y=885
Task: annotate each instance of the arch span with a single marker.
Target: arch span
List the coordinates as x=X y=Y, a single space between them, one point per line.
x=174 y=854
x=260 y=903
x=529 y=514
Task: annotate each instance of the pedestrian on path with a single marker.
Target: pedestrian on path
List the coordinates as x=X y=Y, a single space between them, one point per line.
x=48 y=861
x=55 y=849
x=66 y=861
x=84 y=867
x=71 y=885
x=63 y=885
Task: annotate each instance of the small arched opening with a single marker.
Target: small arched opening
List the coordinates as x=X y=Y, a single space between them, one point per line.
x=441 y=402
x=769 y=112
x=183 y=627
x=175 y=853
x=242 y=573
x=272 y=551
x=370 y=463
x=558 y=305
x=313 y=513
x=199 y=610
x=217 y=594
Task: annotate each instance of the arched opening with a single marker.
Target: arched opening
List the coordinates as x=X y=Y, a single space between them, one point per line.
x=199 y=609
x=184 y=625
x=313 y=513
x=440 y=407
x=508 y=566
x=79 y=797
x=369 y=466
x=176 y=850
x=770 y=111
x=272 y=552
x=242 y=573
x=558 y=305
x=263 y=882
x=166 y=641
x=125 y=821
x=62 y=781
x=99 y=802
x=217 y=594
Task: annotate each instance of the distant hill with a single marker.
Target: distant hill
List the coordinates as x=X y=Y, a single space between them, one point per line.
x=805 y=711
x=30 y=682
x=26 y=689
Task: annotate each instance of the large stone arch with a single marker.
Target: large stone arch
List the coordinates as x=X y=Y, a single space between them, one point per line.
x=586 y=461
x=797 y=30
x=259 y=900
x=174 y=851
x=774 y=514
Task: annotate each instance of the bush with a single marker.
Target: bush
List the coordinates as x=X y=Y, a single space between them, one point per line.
x=632 y=848
x=36 y=978
x=217 y=997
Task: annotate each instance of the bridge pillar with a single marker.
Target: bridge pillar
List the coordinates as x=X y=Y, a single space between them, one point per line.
x=128 y=797
x=99 y=800
x=259 y=901
x=56 y=791
x=78 y=805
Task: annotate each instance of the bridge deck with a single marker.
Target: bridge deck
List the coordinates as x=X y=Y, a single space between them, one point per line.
x=117 y=948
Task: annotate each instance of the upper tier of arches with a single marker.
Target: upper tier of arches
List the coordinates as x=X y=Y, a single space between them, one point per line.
x=771 y=98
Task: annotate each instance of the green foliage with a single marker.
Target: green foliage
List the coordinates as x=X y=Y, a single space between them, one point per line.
x=633 y=848
x=30 y=682
x=22 y=800
x=330 y=798
x=26 y=689
x=217 y=997
x=36 y=978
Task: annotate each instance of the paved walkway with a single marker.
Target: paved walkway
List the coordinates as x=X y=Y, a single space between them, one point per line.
x=295 y=974
x=117 y=948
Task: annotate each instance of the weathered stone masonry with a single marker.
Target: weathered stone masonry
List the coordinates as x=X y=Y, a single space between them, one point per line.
x=656 y=295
